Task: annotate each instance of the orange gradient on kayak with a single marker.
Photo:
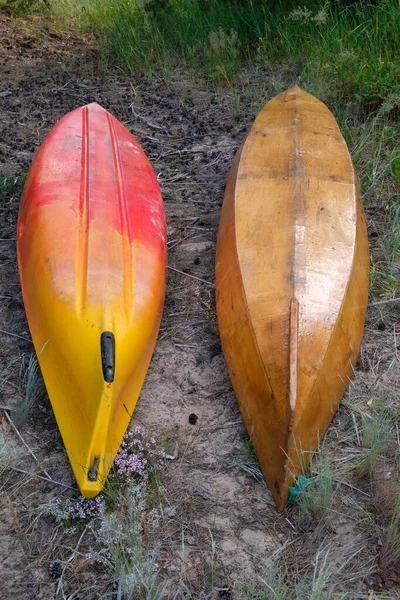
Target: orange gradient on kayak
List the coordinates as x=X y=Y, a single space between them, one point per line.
x=92 y=255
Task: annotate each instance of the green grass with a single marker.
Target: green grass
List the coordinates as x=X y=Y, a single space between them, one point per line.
x=317 y=497
x=18 y=8
x=377 y=433
x=275 y=584
x=348 y=57
x=30 y=391
x=390 y=553
x=347 y=53
x=373 y=144
x=11 y=187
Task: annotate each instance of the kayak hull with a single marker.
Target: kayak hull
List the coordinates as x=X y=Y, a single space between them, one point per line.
x=292 y=273
x=91 y=247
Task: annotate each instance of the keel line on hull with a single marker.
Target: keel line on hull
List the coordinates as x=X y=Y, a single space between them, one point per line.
x=82 y=255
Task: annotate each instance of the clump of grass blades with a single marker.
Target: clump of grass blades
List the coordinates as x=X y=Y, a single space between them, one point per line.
x=18 y=8
x=121 y=547
x=30 y=390
x=319 y=491
x=373 y=143
x=138 y=36
x=377 y=433
x=386 y=272
x=390 y=554
x=347 y=53
x=275 y=584
x=11 y=187
x=343 y=53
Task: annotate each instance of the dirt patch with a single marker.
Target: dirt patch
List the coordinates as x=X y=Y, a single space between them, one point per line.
x=217 y=518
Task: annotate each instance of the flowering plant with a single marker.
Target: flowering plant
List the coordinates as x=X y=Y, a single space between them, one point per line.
x=136 y=459
x=137 y=456
x=75 y=513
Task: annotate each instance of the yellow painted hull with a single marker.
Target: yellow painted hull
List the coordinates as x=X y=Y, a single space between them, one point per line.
x=92 y=257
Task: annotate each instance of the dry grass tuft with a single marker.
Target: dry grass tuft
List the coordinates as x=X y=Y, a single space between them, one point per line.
x=389 y=558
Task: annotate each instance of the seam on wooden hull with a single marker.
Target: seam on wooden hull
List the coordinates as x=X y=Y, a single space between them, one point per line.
x=125 y=232
x=83 y=242
x=293 y=355
x=299 y=168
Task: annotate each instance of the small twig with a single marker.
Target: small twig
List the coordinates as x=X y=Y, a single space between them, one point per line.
x=71 y=558
x=63 y=86
x=356 y=428
x=177 y=242
x=9 y=419
x=395 y=344
x=49 y=479
x=202 y=228
x=290 y=523
x=151 y=125
x=225 y=425
x=382 y=333
x=196 y=324
x=186 y=346
x=191 y=276
x=356 y=409
x=195 y=201
x=177 y=177
x=353 y=488
x=21 y=337
x=384 y=302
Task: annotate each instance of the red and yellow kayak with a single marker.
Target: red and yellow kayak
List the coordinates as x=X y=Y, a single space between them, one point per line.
x=92 y=255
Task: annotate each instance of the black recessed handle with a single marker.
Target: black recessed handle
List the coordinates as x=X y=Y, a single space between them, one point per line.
x=107 y=344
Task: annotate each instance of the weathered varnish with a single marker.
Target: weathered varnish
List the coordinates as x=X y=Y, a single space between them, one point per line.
x=292 y=280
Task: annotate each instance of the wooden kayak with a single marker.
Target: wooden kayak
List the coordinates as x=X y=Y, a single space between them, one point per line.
x=292 y=273
x=92 y=255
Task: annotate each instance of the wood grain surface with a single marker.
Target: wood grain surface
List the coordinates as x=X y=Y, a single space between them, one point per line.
x=292 y=275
